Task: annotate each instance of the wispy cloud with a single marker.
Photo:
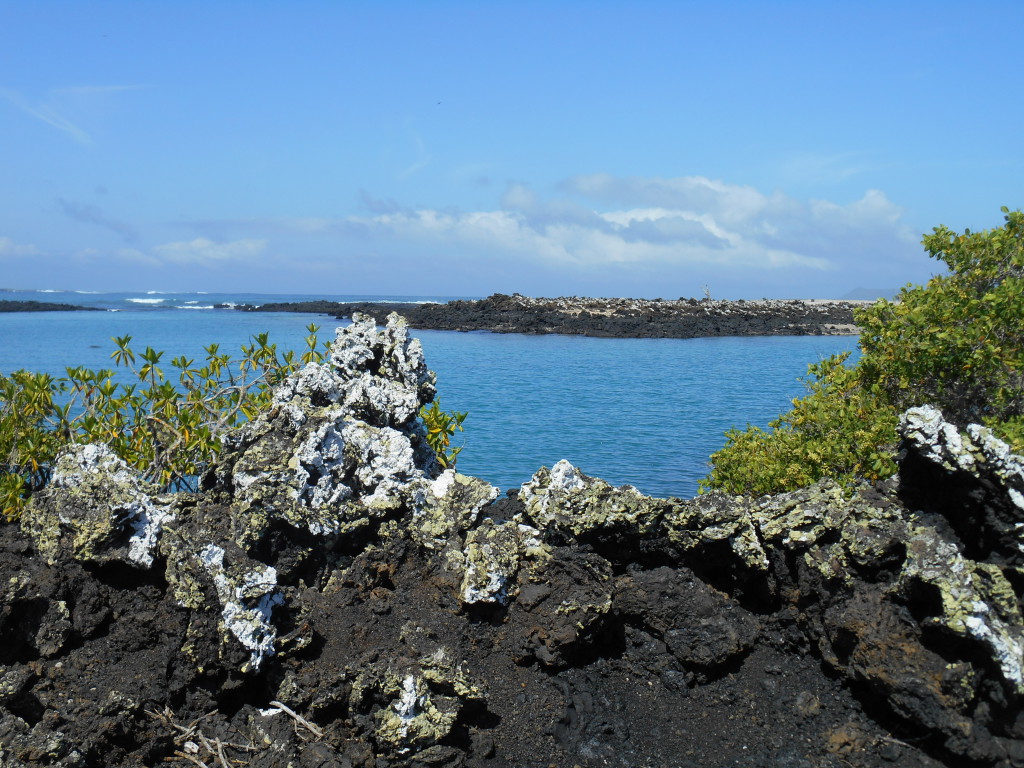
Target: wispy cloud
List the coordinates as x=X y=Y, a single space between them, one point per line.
x=822 y=168
x=206 y=252
x=12 y=250
x=59 y=102
x=91 y=214
x=376 y=205
x=96 y=90
x=423 y=159
x=48 y=114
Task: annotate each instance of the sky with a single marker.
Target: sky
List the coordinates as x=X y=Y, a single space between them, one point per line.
x=647 y=149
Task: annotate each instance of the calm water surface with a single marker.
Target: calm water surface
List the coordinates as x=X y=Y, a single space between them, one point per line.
x=642 y=411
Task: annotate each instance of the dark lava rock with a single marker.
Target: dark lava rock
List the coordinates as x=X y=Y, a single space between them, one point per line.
x=332 y=598
x=43 y=306
x=616 y=318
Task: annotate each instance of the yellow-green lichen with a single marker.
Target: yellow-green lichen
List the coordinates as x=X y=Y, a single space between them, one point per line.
x=424 y=699
x=977 y=602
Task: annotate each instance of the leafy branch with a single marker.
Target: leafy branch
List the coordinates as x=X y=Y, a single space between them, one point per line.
x=441 y=427
x=167 y=424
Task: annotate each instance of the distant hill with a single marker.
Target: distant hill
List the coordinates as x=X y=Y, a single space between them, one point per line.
x=870 y=294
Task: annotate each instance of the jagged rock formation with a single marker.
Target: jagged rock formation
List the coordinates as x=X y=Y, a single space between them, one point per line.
x=332 y=598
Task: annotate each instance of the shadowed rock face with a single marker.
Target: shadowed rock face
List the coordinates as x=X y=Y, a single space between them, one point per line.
x=332 y=598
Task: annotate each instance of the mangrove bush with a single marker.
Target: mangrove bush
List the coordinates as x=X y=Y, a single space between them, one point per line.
x=956 y=343
x=165 y=423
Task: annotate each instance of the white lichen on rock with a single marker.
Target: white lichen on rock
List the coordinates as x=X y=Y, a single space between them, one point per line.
x=99 y=507
x=312 y=384
x=146 y=526
x=320 y=466
x=247 y=599
x=978 y=469
x=565 y=499
x=977 y=601
x=493 y=553
x=386 y=377
x=935 y=438
x=424 y=699
x=978 y=451
x=445 y=508
x=383 y=463
x=341 y=447
x=1001 y=462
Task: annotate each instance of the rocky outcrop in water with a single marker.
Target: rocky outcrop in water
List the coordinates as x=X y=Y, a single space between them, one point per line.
x=617 y=318
x=7 y=305
x=332 y=598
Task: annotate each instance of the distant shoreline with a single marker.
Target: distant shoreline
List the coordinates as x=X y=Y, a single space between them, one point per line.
x=605 y=317
x=44 y=306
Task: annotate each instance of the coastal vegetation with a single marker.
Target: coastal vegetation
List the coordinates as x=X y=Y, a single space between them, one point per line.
x=441 y=427
x=165 y=423
x=956 y=343
x=326 y=598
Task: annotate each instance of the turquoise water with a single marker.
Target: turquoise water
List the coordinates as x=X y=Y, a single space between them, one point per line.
x=642 y=411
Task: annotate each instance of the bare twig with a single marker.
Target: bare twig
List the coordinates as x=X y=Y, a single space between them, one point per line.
x=193 y=760
x=205 y=742
x=314 y=729
x=892 y=740
x=214 y=747
x=220 y=754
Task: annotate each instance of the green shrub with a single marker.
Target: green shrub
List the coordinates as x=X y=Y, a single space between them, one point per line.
x=168 y=429
x=840 y=430
x=441 y=427
x=956 y=343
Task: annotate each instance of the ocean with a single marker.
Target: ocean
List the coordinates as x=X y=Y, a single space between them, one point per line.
x=647 y=412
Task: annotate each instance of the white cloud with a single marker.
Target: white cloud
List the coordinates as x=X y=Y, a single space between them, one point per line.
x=658 y=222
x=12 y=250
x=207 y=252
x=423 y=159
x=599 y=233
x=728 y=202
x=518 y=197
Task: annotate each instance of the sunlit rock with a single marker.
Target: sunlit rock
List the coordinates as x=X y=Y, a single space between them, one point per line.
x=97 y=509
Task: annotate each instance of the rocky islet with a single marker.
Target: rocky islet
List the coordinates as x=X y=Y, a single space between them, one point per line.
x=605 y=317
x=331 y=597
x=7 y=305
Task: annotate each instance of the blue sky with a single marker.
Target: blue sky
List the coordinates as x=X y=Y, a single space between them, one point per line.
x=780 y=149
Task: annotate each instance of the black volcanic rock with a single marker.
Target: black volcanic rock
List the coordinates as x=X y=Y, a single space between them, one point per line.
x=332 y=598
x=618 y=318
x=43 y=306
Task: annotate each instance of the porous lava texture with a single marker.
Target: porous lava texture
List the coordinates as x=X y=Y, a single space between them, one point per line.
x=332 y=598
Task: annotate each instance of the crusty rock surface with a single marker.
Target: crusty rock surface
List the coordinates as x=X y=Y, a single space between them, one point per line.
x=332 y=598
